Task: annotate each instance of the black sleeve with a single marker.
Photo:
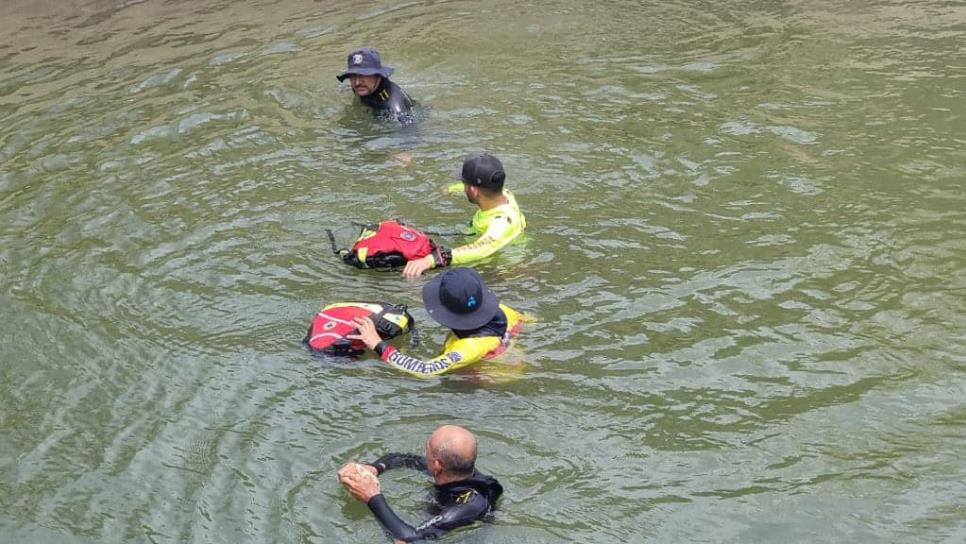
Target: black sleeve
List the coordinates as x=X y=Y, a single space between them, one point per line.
x=450 y=518
x=396 y=460
x=441 y=257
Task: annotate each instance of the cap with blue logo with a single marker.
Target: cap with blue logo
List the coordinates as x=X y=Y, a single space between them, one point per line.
x=459 y=299
x=364 y=62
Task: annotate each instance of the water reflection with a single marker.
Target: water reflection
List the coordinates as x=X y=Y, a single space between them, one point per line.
x=744 y=253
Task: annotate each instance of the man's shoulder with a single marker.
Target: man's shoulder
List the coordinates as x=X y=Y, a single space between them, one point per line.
x=482 y=485
x=470 y=498
x=394 y=86
x=397 y=94
x=512 y=316
x=508 y=209
x=511 y=205
x=508 y=213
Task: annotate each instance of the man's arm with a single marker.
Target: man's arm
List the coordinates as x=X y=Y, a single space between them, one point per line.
x=435 y=259
x=444 y=362
x=463 y=513
x=396 y=460
x=498 y=234
x=461 y=353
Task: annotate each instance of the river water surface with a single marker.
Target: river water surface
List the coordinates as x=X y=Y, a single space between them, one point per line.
x=745 y=262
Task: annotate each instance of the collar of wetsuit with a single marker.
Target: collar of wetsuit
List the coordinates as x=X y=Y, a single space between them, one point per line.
x=483 y=484
x=375 y=97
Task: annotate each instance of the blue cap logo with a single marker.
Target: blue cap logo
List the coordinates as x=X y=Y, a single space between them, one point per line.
x=470 y=302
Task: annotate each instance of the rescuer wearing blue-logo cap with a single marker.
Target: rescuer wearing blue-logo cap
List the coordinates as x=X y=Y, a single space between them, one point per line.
x=459 y=299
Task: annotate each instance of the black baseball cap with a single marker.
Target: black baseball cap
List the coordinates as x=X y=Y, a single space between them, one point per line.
x=482 y=170
x=459 y=299
x=364 y=62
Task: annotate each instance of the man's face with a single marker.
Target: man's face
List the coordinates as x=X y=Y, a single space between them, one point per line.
x=430 y=459
x=364 y=85
x=470 y=192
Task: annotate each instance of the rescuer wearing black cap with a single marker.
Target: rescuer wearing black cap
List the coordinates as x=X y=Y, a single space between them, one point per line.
x=498 y=220
x=370 y=82
x=459 y=299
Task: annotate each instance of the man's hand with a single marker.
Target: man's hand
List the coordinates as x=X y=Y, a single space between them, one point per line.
x=415 y=268
x=367 y=333
x=404 y=158
x=360 y=481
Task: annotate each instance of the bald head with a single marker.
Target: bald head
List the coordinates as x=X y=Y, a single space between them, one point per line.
x=455 y=448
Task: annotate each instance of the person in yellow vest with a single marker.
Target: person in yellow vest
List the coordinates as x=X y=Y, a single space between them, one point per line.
x=459 y=299
x=498 y=221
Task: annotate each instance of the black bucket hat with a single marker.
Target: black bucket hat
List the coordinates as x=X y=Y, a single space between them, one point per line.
x=459 y=299
x=364 y=62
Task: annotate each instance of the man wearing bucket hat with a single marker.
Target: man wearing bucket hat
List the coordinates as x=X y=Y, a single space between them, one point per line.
x=459 y=299
x=370 y=82
x=498 y=220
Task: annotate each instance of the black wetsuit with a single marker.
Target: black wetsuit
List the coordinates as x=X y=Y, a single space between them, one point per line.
x=456 y=503
x=390 y=101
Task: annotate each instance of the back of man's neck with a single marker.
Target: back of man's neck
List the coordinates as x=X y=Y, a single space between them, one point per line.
x=490 y=203
x=448 y=478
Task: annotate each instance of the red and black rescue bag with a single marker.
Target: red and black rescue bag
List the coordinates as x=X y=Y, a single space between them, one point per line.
x=390 y=244
x=334 y=322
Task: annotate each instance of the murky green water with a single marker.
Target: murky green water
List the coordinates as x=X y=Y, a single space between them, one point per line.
x=746 y=256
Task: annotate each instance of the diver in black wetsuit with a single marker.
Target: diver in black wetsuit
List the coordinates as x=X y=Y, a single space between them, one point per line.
x=370 y=82
x=462 y=496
